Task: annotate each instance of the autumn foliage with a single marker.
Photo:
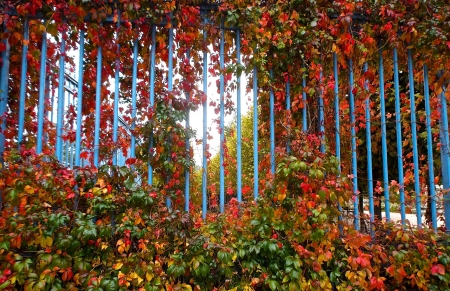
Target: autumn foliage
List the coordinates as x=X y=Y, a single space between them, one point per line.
x=115 y=235
x=107 y=229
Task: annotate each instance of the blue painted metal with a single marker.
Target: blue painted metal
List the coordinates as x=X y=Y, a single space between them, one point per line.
x=255 y=133
x=133 y=97
x=354 y=157
x=398 y=127
x=61 y=97
x=222 y=127
x=272 y=127
x=445 y=157
x=98 y=101
x=383 y=139
x=80 y=101
x=4 y=78
x=188 y=149
x=414 y=138
x=23 y=81
x=239 y=130
x=288 y=108
x=321 y=115
x=432 y=189
x=41 y=111
x=116 y=94
x=337 y=115
x=337 y=110
x=369 y=153
x=170 y=85
x=205 y=129
x=66 y=154
x=304 y=112
x=152 y=99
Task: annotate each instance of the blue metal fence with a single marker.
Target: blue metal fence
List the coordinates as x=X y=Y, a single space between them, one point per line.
x=69 y=152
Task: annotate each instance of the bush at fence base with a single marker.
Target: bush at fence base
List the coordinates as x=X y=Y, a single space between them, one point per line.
x=103 y=232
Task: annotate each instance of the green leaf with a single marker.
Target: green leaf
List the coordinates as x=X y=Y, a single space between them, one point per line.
x=5 y=245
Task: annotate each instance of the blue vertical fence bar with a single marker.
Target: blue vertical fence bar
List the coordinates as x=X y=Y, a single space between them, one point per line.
x=4 y=78
x=170 y=82
x=432 y=189
x=133 y=97
x=188 y=149
x=398 y=128
x=116 y=92
x=354 y=157
x=61 y=97
x=304 y=112
x=321 y=114
x=205 y=128
x=238 y=127
x=41 y=111
x=152 y=100
x=255 y=133
x=66 y=153
x=383 y=138
x=414 y=138
x=80 y=101
x=337 y=117
x=23 y=81
x=222 y=127
x=445 y=157
x=369 y=153
x=288 y=108
x=272 y=126
x=98 y=101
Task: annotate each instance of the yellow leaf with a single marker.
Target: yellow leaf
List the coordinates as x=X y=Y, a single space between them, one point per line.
x=48 y=241
x=29 y=189
x=148 y=276
x=101 y=183
x=117 y=266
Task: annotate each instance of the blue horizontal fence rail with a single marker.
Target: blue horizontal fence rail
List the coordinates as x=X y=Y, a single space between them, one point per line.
x=70 y=93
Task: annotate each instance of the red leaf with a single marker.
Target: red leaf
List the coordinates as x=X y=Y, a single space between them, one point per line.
x=438 y=269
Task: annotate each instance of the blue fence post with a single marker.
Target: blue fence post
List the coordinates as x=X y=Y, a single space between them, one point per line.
x=445 y=157
x=205 y=128
x=133 y=97
x=354 y=157
x=222 y=127
x=255 y=133
x=152 y=100
x=188 y=149
x=116 y=93
x=238 y=126
x=272 y=126
x=67 y=142
x=321 y=114
x=304 y=111
x=414 y=138
x=337 y=114
x=369 y=154
x=432 y=189
x=383 y=139
x=98 y=101
x=288 y=109
x=80 y=101
x=170 y=85
x=4 y=78
x=23 y=81
x=61 y=100
x=399 y=138
x=41 y=111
